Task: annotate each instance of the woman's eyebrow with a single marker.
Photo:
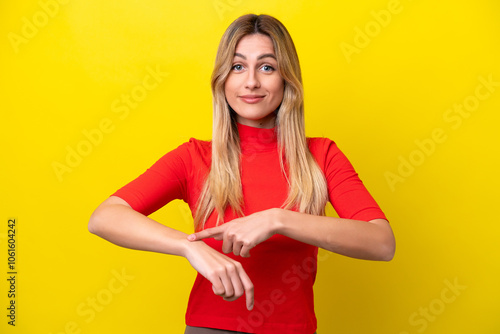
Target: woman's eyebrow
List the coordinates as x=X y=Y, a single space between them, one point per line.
x=265 y=55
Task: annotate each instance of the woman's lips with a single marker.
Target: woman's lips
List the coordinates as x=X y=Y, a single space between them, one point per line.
x=251 y=98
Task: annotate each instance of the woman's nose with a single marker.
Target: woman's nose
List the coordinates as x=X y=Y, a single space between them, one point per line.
x=252 y=80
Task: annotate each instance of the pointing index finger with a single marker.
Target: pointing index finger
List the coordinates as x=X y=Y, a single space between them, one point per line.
x=208 y=233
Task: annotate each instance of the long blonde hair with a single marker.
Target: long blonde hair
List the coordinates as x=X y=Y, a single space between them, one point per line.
x=307 y=184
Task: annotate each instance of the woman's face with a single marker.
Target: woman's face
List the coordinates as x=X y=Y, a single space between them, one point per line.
x=254 y=88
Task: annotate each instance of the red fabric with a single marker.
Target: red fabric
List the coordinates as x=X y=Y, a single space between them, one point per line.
x=283 y=270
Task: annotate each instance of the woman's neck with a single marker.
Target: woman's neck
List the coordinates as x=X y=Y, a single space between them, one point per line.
x=267 y=122
x=257 y=139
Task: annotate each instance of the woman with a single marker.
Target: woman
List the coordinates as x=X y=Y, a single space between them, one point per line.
x=257 y=192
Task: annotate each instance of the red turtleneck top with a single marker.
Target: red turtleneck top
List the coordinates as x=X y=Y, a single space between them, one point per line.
x=282 y=270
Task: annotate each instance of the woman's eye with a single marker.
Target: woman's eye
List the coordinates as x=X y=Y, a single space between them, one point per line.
x=267 y=68
x=237 y=67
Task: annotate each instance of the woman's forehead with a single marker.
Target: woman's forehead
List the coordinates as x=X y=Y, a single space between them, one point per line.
x=255 y=45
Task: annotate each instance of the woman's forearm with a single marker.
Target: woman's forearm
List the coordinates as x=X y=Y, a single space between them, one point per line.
x=372 y=240
x=115 y=221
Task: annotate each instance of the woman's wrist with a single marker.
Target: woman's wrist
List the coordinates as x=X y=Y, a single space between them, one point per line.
x=185 y=247
x=278 y=220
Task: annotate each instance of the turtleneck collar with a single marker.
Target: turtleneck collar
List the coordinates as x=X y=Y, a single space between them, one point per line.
x=257 y=139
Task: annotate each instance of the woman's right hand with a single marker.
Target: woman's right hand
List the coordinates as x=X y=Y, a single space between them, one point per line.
x=229 y=279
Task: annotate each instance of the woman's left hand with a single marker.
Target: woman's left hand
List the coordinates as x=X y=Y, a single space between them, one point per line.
x=242 y=234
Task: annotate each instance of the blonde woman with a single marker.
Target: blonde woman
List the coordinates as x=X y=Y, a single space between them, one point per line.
x=257 y=191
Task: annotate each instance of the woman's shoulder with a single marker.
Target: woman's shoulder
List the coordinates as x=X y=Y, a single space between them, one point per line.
x=198 y=144
x=326 y=152
x=193 y=145
x=192 y=152
x=195 y=148
x=321 y=144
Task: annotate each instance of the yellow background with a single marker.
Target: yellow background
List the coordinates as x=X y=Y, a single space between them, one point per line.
x=67 y=75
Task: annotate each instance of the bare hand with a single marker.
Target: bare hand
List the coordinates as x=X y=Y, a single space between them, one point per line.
x=229 y=279
x=242 y=234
